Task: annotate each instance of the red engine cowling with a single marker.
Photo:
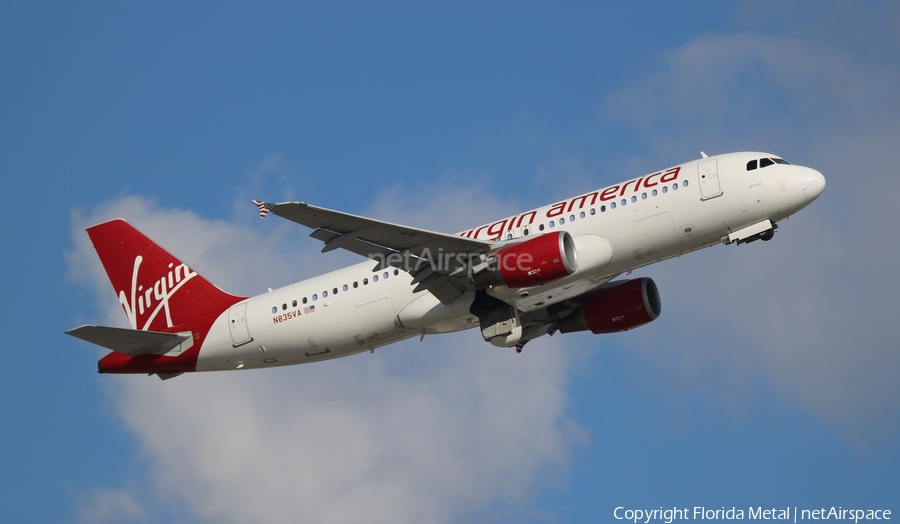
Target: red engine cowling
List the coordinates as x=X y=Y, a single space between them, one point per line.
x=617 y=307
x=534 y=262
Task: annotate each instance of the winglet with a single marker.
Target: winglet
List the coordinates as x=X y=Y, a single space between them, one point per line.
x=264 y=207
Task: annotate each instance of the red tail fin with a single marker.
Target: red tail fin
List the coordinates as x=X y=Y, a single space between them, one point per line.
x=157 y=291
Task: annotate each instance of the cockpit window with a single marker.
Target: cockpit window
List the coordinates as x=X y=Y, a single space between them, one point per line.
x=766 y=162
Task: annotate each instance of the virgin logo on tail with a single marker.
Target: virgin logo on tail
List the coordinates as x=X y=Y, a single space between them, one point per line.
x=154 y=298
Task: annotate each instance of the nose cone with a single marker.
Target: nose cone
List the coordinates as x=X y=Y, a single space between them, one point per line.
x=812 y=182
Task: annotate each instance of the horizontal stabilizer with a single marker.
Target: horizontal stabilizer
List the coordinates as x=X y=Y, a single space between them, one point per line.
x=134 y=342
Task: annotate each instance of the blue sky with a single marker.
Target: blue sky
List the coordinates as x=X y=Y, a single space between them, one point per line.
x=769 y=379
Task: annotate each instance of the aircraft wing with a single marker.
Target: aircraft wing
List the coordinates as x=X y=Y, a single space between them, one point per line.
x=380 y=240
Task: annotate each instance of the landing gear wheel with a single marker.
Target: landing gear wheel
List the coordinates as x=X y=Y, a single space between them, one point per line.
x=767 y=235
x=519 y=348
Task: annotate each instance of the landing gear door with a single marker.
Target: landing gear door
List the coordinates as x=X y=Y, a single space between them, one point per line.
x=708 y=177
x=237 y=324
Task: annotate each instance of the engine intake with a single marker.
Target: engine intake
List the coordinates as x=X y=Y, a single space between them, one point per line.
x=534 y=262
x=618 y=306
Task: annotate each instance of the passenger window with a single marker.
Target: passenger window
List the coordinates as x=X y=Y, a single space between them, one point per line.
x=665 y=189
x=751 y=165
x=274 y=309
x=334 y=291
x=765 y=162
x=684 y=183
x=654 y=193
x=674 y=186
x=294 y=304
x=315 y=297
x=633 y=199
x=562 y=221
x=345 y=288
x=602 y=209
x=304 y=300
x=572 y=217
x=581 y=215
x=365 y=281
x=396 y=272
x=612 y=205
x=594 y=211
x=284 y=307
x=355 y=284
x=525 y=232
x=643 y=196
x=541 y=227
x=385 y=275
x=551 y=224
x=624 y=201
x=324 y=294
x=374 y=278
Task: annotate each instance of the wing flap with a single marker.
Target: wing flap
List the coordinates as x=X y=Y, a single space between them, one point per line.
x=133 y=342
x=353 y=245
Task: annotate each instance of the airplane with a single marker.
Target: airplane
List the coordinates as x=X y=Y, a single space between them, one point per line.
x=551 y=269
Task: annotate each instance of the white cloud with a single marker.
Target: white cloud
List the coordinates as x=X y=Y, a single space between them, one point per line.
x=111 y=506
x=437 y=431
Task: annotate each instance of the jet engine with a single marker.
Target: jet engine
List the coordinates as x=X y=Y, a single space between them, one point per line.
x=617 y=306
x=534 y=262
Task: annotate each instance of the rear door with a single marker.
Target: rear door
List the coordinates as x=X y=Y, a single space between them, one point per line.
x=237 y=323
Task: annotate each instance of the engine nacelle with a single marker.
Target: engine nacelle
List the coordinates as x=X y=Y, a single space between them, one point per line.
x=534 y=262
x=615 y=307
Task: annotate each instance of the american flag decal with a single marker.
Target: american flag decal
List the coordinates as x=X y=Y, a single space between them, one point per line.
x=264 y=207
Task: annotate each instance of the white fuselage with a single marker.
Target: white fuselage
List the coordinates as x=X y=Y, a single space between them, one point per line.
x=616 y=229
